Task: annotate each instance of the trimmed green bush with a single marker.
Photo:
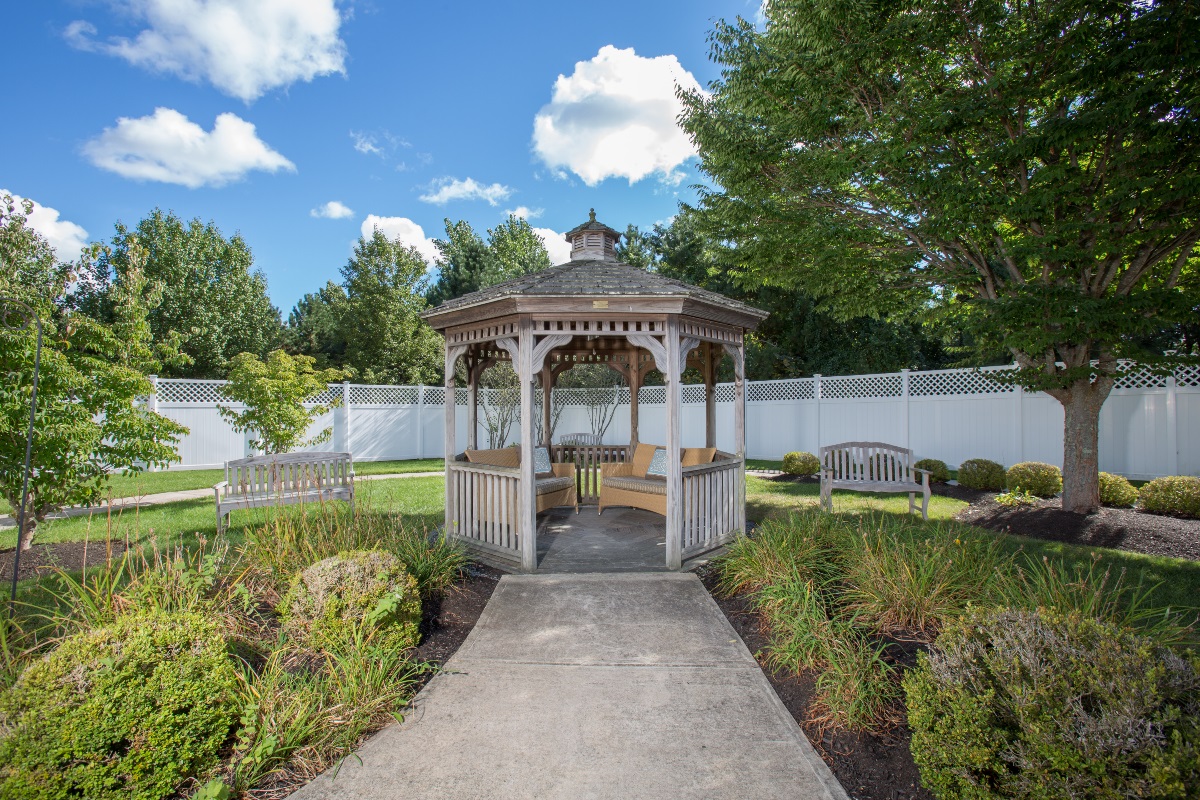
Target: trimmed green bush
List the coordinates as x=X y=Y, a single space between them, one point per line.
x=365 y=593
x=1116 y=491
x=979 y=473
x=126 y=711
x=805 y=464
x=938 y=471
x=1177 y=496
x=1021 y=704
x=1034 y=477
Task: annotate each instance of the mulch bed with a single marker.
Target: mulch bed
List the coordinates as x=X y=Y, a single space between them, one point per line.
x=869 y=767
x=43 y=559
x=446 y=620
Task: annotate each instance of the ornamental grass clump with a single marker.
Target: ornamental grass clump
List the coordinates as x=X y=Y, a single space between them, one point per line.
x=938 y=471
x=803 y=464
x=1116 y=491
x=1034 y=477
x=357 y=593
x=1037 y=704
x=1177 y=496
x=130 y=710
x=981 y=474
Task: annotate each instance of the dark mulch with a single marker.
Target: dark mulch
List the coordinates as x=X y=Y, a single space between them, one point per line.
x=42 y=559
x=1117 y=528
x=446 y=620
x=869 y=767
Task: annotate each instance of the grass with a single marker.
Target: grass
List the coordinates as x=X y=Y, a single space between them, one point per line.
x=765 y=498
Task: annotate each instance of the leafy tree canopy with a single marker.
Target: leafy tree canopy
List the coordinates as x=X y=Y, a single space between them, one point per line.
x=1028 y=169
x=315 y=326
x=518 y=248
x=465 y=263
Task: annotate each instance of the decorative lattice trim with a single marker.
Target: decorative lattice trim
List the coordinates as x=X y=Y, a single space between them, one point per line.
x=861 y=387
x=773 y=391
x=1188 y=376
x=384 y=395
x=946 y=382
x=1134 y=377
x=183 y=390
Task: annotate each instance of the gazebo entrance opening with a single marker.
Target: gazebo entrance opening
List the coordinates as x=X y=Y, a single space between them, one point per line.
x=594 y=309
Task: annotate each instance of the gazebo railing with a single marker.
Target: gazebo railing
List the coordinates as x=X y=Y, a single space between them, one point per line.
x=712 y=504
x=485 y=506
x=587 y=460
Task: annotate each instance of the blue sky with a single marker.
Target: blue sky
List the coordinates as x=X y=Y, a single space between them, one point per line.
x=302 y=123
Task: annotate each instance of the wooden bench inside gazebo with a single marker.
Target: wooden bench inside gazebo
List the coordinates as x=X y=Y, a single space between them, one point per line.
x=594 y=309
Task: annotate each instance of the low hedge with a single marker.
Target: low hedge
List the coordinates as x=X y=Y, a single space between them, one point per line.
x=938 y=471
x=131 y=710
x=1021 y=704
x=804 y=464
x=1116 y=491
x=1034 y=477
x=981 y=474
x=1178 y=496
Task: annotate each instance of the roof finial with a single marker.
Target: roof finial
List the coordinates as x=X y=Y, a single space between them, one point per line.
x=592 y=215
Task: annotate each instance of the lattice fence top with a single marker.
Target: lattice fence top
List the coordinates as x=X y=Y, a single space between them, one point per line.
x=946 y=382
x=1188 y=376
x=861 y=387
x=1134 y=377
x=183 y=390
x=385 y=395
x=774 y=391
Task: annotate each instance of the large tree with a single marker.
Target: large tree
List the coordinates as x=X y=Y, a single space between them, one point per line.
x=315 y=326
x=518 y=249
x=465 y=263
x=386 y=339
x=212 y=294
x=1030 y=168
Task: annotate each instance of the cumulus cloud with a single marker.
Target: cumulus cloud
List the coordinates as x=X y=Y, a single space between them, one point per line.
x=558 y=248
x=334 y=209
x=243 y=49
x=525 y=212
x=64 y=236
x=446 y=189
x=615 y=117
x=404 y=229
x=168 y=147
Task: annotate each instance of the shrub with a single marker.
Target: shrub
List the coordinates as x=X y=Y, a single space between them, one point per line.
x=805 y=544
x=804 y=464
x=1034 y=477
x=126 y=711
x=1017 y=498
x=979 y=473
x=1021 y=704
x=356 y=593
x=938 y=471
x=1116 y=491
x=1178 y=496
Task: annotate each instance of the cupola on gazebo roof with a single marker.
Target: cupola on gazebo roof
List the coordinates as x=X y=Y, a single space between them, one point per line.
x=594 y=309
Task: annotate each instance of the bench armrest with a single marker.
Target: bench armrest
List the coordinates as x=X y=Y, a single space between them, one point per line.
x=220 y=486
x=925 y=471
x=616 y=470
x=566 y=470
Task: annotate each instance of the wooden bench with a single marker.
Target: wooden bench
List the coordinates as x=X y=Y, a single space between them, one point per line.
x=284 y=479
x=872 y=467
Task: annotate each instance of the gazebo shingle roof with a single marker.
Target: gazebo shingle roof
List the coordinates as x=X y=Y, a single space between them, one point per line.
x=593 y=278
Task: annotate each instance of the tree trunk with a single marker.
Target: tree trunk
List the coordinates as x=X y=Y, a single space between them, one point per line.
x=1081 y=442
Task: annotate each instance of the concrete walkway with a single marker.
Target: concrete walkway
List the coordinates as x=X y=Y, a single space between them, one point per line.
x=146 y=500
x=592 y=686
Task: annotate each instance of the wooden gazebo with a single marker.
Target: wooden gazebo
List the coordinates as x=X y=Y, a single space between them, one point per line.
x=593 y=309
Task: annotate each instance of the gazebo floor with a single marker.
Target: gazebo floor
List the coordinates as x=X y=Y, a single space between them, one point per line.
x=622 y=540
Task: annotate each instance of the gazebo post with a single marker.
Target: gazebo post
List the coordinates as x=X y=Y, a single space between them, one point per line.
x=710 y=395
x=547 y=388
x=527 y=506
x=738 y=353
x=473 y=376
x=451 y=444
x=674 y=469
x=635 y=389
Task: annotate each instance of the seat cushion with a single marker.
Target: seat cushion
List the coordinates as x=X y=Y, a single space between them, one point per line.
x=502 y=457
x=548 y=485
x=643 y=485
x=695 y=456
x=641 y=459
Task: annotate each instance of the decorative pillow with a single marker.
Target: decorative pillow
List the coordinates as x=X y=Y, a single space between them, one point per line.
x=658 y=464
x=541 y=462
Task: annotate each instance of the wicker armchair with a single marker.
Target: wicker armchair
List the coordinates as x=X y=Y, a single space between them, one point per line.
x=627 y=485
x=552 y=492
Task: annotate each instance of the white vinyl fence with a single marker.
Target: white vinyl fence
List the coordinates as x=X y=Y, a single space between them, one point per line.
x=1149 y=427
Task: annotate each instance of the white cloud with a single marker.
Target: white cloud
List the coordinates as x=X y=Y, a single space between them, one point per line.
x=525 y=212
x=366 y=144
x=170 y=148
x=615 y=117
x=404 y=229
x=65 y=237
x=243 y=49
x=447 y=189
x=557 y=246
x=334 y=209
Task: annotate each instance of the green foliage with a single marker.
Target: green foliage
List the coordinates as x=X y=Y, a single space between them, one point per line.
x=1025 y=704
x=1178 y=496
x=315 y=326
x=465 y=263
x=938 y=471
x=805 y=464
x=981 y=474
x=126 y=711
x=274 y=394
x=1116 y=491
x=357 y=593
x=88 y=421
x=213 y=299
x=518 y=249
x=1033 y=477
x=386 y=339
x=1016 y=498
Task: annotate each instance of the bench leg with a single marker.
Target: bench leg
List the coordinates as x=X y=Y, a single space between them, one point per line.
x=925 y=501
x=912 y=502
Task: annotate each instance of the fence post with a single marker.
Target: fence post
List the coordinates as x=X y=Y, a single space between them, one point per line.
x=152 y=405
x=904 y=394
x=817 y=400
x=421 y=421
x=1019 y=419
x=1172 y=428
x=346 y=417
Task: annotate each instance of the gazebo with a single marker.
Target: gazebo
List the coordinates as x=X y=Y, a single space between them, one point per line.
x=593 y=309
